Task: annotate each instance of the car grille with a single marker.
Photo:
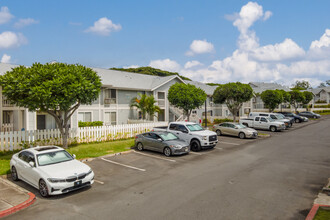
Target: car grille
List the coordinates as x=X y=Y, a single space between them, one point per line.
x=213 y=138
x=255 y=134
x=76 y=187
x=183 y=149
x=74 y=178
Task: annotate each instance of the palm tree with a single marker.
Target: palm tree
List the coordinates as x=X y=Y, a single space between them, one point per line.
x=140 y=103
x=151 y=107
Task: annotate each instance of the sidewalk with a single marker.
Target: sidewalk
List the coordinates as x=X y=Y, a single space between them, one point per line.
x=13 y=198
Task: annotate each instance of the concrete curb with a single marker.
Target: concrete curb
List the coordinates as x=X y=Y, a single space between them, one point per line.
x=314 y=210
x=20 y=206
x=107 y=155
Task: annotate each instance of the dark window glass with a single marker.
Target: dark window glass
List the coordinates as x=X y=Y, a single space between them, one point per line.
x=273 y=117
x=263 y=114
x=182 y=128
x=173 y=127
x=263 y=119
x=257 y=119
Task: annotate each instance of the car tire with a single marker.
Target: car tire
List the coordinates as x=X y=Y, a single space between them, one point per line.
x=14 y=174
x=167 y=152
x=218 y=132
x=195 y=145
x=140 y=146
x=241 y=135
x=43 y=188
x=273 y=128
x=314 y=117
x=297 y=120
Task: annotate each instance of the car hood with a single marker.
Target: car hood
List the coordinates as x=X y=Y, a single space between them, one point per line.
x=177 y=142
x=249 y=130
x=64 y=169
x=283 y=120
x=204 y=132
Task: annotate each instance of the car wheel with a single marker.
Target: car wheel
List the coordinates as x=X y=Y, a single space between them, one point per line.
x=297 y=120
x=314 y=117
x=290 y=125
x=140 y=146
x=195 y=145
x=14 y=175
x=167 y=151
x=43 y=189
x=218 y=132
x=241 y=135
x=273 y=128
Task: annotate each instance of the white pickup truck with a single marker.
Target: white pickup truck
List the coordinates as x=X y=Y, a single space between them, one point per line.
x=265 y=123
x=192 y=133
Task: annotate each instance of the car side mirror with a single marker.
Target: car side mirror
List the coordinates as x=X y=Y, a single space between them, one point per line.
x=185 y=131
x=74 y=156
x=31 y=163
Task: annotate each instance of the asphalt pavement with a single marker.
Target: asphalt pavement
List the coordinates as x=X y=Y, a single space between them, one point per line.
x=268 y=178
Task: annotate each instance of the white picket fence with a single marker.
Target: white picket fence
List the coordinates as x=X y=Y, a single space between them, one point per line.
x=17 y=140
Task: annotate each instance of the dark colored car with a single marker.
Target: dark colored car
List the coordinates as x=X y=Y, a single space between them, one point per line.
x=310 y=114
x=163 y=142
x=297 y=118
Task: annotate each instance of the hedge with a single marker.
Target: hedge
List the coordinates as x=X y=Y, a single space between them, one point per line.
x=217 y=120
x=90 y=123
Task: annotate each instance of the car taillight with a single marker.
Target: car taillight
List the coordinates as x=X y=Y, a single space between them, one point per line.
x=136 y=137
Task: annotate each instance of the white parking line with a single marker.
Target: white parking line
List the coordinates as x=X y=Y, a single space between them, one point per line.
x=228 y=143
x=219 y=148
x=192 y=152
x=154 y=156
x=100 y=182
x=124 y=165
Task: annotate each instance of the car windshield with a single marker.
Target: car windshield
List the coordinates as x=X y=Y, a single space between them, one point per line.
x=280 y=116
x=53 y=157
x=240 y=126
x=195 y=127
x=168 y=136
x=270 y=119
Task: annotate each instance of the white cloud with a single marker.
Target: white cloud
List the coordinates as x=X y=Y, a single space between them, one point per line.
x=5 y=58
x=104 y=27
x=131 y=66
x=200 y=47
x=191 y=64
x=25 y=22
x=267 y=15
x=323 y=42
x=10 y=39
x=165 y=64
x=5 y=15
x=250 y=13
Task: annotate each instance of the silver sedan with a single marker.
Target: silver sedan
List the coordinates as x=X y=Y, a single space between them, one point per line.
x=161 y=141
x=235 y=129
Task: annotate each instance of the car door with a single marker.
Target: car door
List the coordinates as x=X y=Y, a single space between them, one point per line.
x=156 y=143
x=264 y=123
x=233 y=130
x=257 y=123
x=224 y=128
x=32 y=175
x=21 y=165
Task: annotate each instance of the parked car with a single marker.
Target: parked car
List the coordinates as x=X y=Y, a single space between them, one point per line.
x=266 y=123
x=281 y=116
x=161 y=141
x=235 y=129
x=274 y=116
x=309 y=114
x=192 y=133
x=297 y=118
x=50 y=169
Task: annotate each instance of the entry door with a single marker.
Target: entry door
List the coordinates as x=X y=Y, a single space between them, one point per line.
x=41 y=122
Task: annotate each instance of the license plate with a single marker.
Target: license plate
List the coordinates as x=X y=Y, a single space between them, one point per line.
x=78 y=183
x=186 y=149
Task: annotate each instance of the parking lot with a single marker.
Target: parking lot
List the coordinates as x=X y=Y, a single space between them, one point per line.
x=137 y=179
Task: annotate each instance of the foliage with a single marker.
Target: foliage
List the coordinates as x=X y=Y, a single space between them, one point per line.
x=324 y=84
x=308 y=96
x=234 y=95
x=56 y=88
x=271 y=99
x=301 y=85
x=146 y=104
x=90 y=123
x=322 y=112
x=323 y=213
x=321 y=101
x=218 y=120
x=186 y=97
x=213 y=84
x=150 y=71
x=322 y=106
x=297 y=97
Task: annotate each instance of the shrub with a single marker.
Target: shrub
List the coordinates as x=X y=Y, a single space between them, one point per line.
x=208 y=121
x=321 y=101
x=90 y=123
x=322 y=112
x=322 y=106
x=218 y=120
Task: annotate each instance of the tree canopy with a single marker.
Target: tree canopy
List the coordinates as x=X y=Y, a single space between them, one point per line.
x=308 y=96
x=150 y=71
x=301 y=85
x=271 y=99
x=296 y=98
x=146 y=104
x=56 y=88
x=234 y=95
x=186 y=97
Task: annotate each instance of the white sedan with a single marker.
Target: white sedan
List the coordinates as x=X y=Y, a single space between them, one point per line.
x=50 y=169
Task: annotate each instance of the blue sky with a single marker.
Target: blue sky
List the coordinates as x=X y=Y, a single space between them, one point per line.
x=209 y=41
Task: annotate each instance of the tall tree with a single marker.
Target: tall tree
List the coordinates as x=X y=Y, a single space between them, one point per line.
x=140 y=102
x=308 y=96
x=152 y=108
x=56 y=88
x=286 y=98
x=186 y=97
x=302 y=85
x=297 y=97
x=271 y=99
x=234 y=95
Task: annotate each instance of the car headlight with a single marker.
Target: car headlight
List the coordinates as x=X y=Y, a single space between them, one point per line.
x=56 y=180
x=204 y=138
x=176 y=147
x=89 y=172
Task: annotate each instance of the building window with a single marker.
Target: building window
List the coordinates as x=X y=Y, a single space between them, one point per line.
x=110 y=96
x=110 y=118
x=161 y=99
x=84 y=116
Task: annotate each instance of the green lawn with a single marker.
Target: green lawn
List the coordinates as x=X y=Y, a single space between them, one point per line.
x=322 y=214
x=81 y=151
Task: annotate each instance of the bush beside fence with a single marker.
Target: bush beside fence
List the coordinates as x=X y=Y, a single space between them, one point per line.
x=17 y=140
